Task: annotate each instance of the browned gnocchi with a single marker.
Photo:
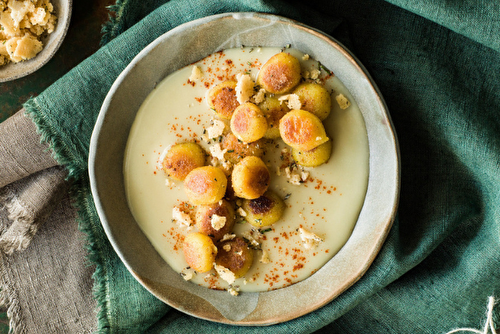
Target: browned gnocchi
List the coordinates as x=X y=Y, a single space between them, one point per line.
x=302 y=130
x=314 y=98
x=199 y=251
x=248 y=123
x=182 y=159
x=280 y=74
x=265 y=210
x=215 y=220
x=315 y=157
x=273 y=110
x=222 y=99
x=236 y=149
x=235 y=255
x=250 y=178
x=205 y=185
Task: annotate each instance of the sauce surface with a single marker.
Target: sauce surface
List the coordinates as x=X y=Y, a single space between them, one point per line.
x=327 y=203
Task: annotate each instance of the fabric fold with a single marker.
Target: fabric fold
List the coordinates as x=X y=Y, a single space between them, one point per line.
x=21 y=151
x=28 y=203
x=439 y=263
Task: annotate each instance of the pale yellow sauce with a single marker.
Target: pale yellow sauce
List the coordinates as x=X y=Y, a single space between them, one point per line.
x=328 y=204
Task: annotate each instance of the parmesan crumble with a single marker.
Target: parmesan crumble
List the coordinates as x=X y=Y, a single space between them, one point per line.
x=260 y=96
x=216 y=130
x=310 y=239
x=244 y=87
x=196 y=74
x=292 y=101
x=342 y=101
x=224 y=273
x=265 y=257
x=181 y=218
x=217 y=222
x=217 y=152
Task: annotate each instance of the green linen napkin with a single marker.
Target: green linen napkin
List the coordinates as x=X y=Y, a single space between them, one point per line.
x=438 y=67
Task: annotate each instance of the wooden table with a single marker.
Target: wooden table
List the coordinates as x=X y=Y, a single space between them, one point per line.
x=81 y=41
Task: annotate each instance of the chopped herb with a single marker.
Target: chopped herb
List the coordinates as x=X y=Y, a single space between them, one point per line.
x=266 y=230
x=230 y=151
x=249 y=63
x=251 y=49
x=287 y=196
x=321 y=66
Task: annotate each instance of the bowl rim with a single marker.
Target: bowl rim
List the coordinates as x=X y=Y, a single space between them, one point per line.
x=394 y=196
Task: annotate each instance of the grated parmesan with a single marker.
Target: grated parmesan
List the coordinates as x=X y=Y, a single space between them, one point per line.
x=196 y=74
x=217 y=222
x=292 y=101
x=217 y=151
x=342 y=101
x=216 y=130
x=183 y=219
x=310 y=239
x=224 y=273
x=244 y=88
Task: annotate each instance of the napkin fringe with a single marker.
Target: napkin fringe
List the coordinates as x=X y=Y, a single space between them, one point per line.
x=22 y=220
x=84 y=206
x=79 y=192
x=114 y=27
x=10 y=302
x=56 y=144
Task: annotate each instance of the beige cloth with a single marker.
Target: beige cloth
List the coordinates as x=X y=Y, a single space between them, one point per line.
x=45 y=279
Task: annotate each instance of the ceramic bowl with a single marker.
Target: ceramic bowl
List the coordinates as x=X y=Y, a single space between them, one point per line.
x=180 y=47
x=51 y=44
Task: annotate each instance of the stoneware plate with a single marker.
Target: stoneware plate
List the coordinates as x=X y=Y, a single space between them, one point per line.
x=51 y=44
x=180 y=47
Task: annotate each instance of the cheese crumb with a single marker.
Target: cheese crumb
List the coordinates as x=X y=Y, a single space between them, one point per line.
x=260 y=96
x=227 y=247
x=233 y=291
x=228 y=236
x=217 y=151
x=241 y=212
x=196 y=74
x=315 y=74
x=295 y=176
x=224 y=273
x=217 y=222
x=265 y=257
x=305 y=57
x=310 y=239
x=216 y=130
x=343 y=102
x=249 y=235
x=183 y=219
x=188 y=273
x=22 y=25
x=292 y=101
x=244 y=87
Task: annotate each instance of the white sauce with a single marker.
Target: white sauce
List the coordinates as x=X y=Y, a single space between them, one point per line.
x=327 y=205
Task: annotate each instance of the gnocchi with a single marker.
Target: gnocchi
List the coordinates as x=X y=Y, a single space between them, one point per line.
x=205 y=185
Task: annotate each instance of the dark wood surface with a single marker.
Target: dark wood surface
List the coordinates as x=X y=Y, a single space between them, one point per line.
x=82 y=40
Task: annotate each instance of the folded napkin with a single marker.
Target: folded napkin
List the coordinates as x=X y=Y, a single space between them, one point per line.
x=437 y=66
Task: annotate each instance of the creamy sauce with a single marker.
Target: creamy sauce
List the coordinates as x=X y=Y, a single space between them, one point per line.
x=327 y=204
